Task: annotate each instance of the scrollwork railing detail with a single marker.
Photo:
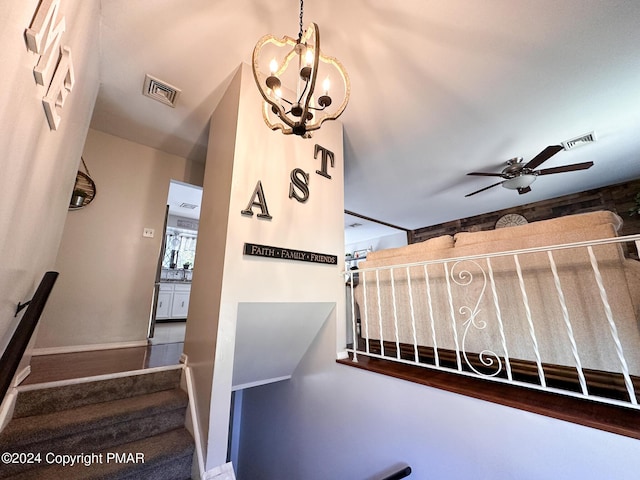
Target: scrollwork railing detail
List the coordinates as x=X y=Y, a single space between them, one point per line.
x=488 y=358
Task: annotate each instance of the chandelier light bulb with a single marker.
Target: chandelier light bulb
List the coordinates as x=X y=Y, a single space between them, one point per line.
x=326 y=85
x=308 y=57
x=273 y=66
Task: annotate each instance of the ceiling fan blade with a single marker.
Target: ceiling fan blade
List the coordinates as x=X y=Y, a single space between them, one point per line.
x=565 y=168
x=483 y=189
x=485 y=174
x=543 y=156
x=524 y=190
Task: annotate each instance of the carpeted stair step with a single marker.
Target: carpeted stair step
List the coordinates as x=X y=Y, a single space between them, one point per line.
x=167 y=456
x=94 y=427
x=38 y=401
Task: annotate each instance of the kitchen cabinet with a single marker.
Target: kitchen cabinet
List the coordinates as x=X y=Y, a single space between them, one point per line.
x=180 y=304
x=165 y=296
x=173 y=301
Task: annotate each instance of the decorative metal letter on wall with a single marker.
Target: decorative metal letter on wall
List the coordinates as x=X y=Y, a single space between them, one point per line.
x=54 y=69
x=298 y=185
x=326 y=154
x=299 y=179
x=261 y=202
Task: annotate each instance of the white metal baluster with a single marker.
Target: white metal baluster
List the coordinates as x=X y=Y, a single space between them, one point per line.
x=395 y=311
x=453 y=317
x=353 y=320
x=612 y=327
x=567 y=322
x=363 y=275
x=532 y=330
x=413 y=317
x=433 y=325
x=380 y=313
x=507 y=363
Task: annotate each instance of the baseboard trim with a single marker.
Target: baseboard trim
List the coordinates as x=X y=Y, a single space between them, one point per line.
x=87 y=348
x=223 y=472
x=342 y=355
x=9 y=402
x=7 y=407
x=195 y=422
x=21 y=375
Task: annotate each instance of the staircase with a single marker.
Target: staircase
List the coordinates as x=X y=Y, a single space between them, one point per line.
x=130 y=427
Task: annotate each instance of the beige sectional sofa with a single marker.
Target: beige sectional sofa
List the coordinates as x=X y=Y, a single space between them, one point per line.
x=474 y=305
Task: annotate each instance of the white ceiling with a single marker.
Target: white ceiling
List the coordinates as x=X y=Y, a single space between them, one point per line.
x=181 y=196
x=439 y=88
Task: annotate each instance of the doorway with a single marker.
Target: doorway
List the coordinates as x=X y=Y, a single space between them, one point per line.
x=176 y=263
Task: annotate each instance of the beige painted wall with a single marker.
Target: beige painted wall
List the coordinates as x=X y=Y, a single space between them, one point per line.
x=107 y=268
x=37 y=165
x=238 y=156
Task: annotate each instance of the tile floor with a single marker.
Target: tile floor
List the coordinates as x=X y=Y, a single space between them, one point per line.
x=171 y=332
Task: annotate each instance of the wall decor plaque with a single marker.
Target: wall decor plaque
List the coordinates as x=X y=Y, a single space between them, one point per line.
x=288 y=254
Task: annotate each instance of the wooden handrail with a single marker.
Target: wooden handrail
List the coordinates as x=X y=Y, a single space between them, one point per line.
x=15 y=350
x=405 y=472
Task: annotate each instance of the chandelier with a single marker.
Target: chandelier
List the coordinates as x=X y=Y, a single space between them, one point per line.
x=291 y=100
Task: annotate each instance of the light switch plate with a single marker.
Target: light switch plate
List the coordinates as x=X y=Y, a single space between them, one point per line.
x=148 y=232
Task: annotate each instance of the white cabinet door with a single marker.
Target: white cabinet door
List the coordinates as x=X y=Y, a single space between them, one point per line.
x=164 y=304
x=180 y=304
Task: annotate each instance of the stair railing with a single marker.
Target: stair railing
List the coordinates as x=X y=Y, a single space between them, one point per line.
x=18 y=344
x=405 y=472
x=526 y=317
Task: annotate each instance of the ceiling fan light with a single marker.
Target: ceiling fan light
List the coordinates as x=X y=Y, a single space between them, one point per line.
x=521 y=181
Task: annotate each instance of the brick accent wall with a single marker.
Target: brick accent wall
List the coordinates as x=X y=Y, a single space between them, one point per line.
x=617 y=198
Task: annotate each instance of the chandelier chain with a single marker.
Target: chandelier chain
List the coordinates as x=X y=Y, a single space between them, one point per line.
x=301 y=25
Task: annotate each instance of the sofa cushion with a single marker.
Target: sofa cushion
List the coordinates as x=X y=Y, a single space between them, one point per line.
x=595 y=232
x=438 y=243
x=551 y=226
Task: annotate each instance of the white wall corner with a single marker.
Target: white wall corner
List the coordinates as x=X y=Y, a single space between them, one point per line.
x=222 y=472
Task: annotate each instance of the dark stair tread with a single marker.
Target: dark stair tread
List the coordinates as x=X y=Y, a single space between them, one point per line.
x=54 y=399
x=26 y=430
x=166 y=456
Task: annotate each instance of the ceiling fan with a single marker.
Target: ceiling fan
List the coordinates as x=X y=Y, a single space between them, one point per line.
x=519 y=176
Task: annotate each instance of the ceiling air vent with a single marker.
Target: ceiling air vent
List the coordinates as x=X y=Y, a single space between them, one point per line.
x=160 y=91
x=579 y=141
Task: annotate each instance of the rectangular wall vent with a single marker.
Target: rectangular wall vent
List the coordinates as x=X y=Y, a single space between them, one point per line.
x=188 y=205
x=160 y=91
x=579 y=141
